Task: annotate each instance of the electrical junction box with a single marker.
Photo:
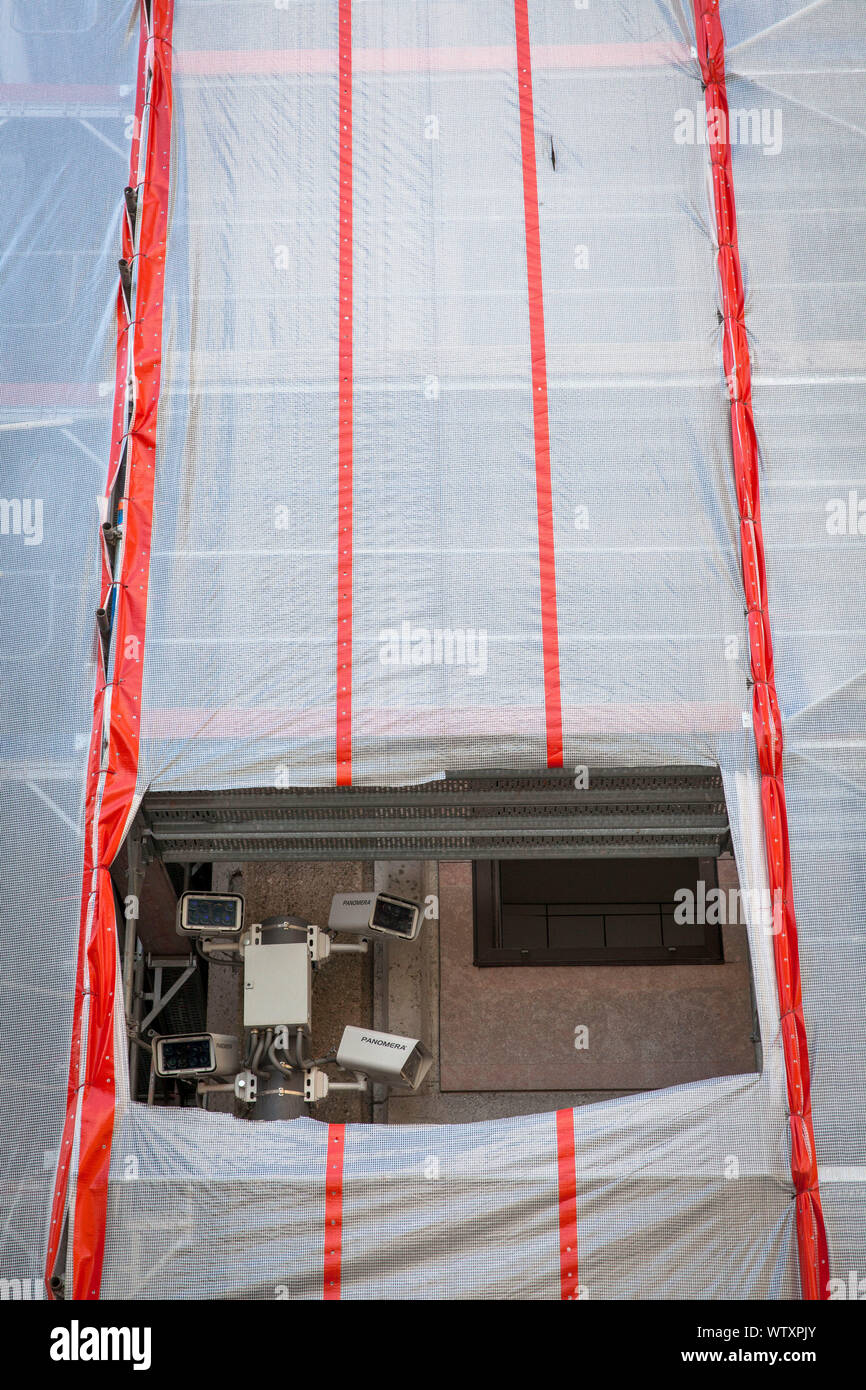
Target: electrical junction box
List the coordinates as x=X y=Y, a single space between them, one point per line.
x=277 y=986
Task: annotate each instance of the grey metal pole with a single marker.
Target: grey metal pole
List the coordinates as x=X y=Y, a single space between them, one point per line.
x=134 y=880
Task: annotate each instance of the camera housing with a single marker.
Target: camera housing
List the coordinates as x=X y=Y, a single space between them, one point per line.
x=384 y=913
x=385 y=1057
x=395 y=917
x=196 y=1054
x=210 y=914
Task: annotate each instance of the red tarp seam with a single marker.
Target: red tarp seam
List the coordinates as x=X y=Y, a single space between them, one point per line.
x=541 y=424
x=567 y=1175
x=334 y=1211
x=345 y=422
x=766 y=717
x=113 y=757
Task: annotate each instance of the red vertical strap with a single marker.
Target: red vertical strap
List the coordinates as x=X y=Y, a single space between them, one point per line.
x=540 y=418
x=333 y=1260
x=113 y=758
x=567 y=1168
x=766 y=718
x=345 y=427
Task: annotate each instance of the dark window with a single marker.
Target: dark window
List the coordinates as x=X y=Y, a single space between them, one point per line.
x=590 y=912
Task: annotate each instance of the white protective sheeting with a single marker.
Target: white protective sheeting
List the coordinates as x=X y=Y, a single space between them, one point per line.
x=67 y=77
x=240 y=653
x=802 y=218
x=240 y=676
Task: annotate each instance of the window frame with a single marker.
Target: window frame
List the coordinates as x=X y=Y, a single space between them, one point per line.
x=487 y=929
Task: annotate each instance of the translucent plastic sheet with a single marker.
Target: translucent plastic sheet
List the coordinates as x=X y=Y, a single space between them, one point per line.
x=445 y=525
x=240 y=670
x=66 y=83
x=801 y=215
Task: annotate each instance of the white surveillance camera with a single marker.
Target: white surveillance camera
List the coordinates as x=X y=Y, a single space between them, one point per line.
x=395 y=917
x=196 y=1054
x=210 y=914
x=385 y=1057
x=375 y=912
x=350 y=912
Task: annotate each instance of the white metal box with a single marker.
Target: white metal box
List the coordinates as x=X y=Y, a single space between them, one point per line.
x=277 y=985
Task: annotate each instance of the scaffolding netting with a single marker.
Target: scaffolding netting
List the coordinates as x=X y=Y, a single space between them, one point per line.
x=445 y=341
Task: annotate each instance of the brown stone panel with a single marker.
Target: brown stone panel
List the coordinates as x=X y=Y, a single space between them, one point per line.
x=513 y=1028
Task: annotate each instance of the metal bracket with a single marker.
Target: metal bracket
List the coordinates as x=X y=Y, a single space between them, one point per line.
x=246 y=1086
x=160 y=999
x=318 y=945
x=316 y=1085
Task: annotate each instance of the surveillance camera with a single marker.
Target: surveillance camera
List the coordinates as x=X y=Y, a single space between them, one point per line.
x=196 y=1054
x=395 y=917
x=375 y=912
x=385 y=1057
x=210 y=914
x=351 y=912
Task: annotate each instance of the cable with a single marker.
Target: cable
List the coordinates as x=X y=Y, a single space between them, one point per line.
x=285 y=1067
x=263 y=1042
x=219 y=957
x=304 y=1062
